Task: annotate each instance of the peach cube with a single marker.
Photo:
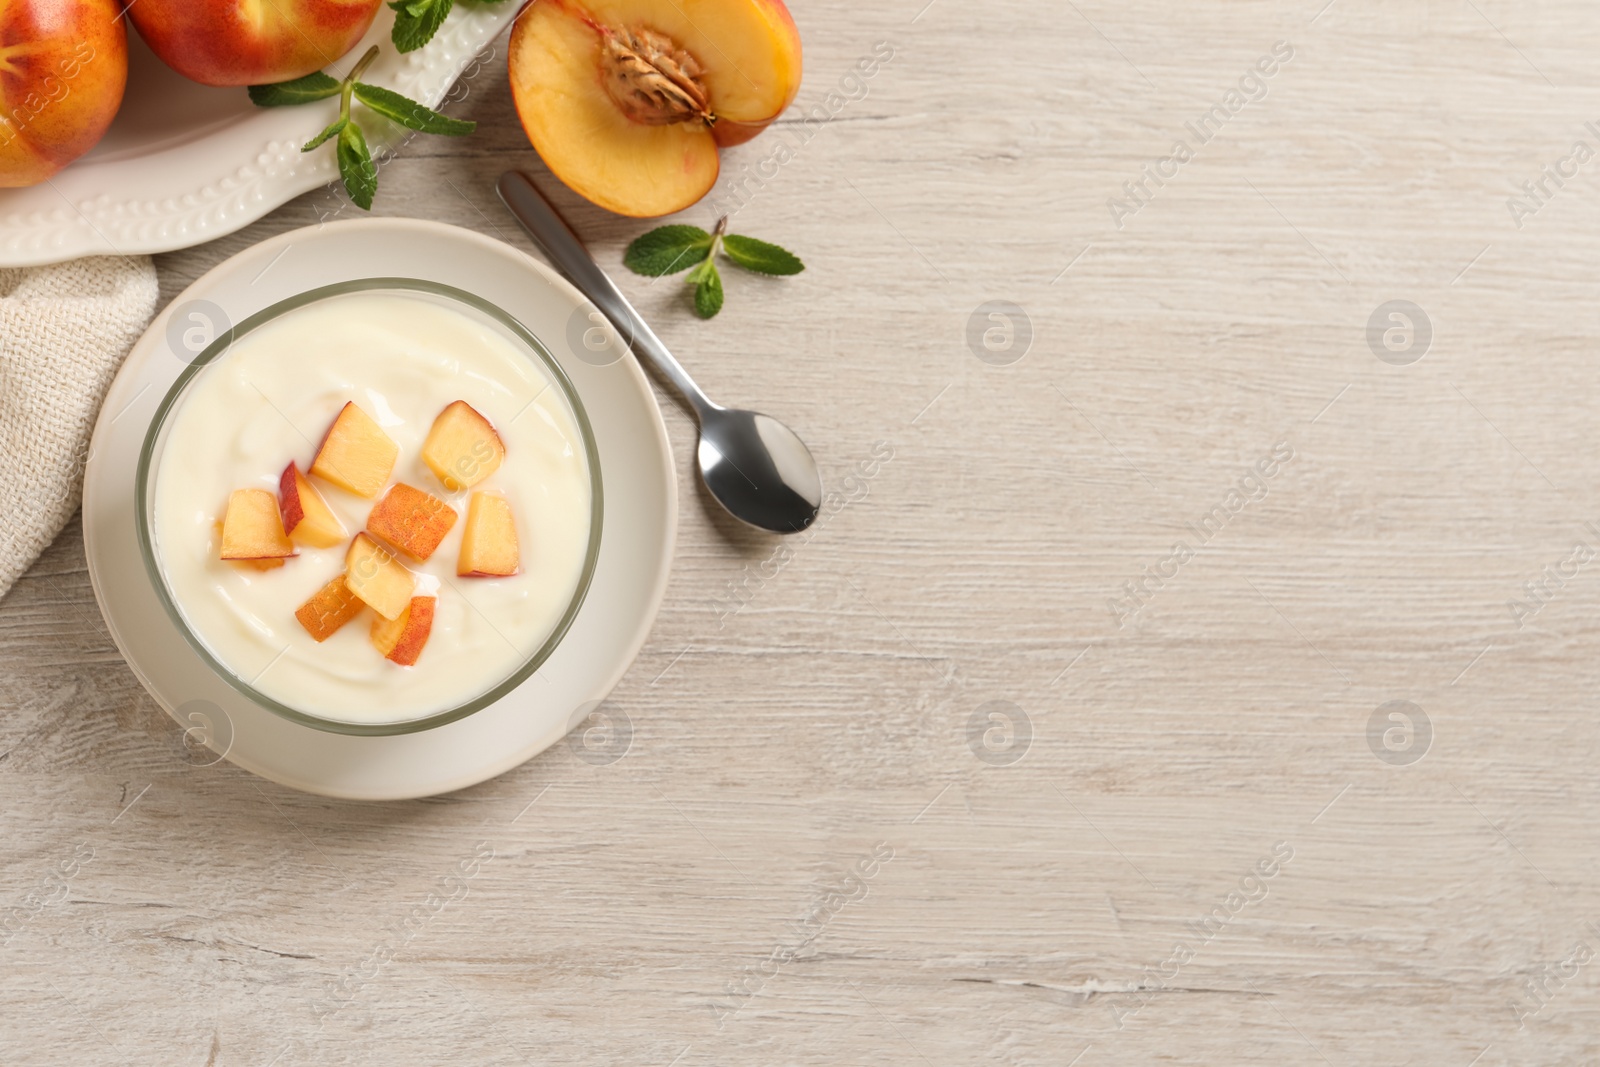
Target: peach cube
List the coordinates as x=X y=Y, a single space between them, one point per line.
x=411 y=520
x=489 y=539
x=401 y=639
x=328 y=609
x=374 y=575
x=462 y=448
x=306 y=516
x=252 y=527
x=356 y=454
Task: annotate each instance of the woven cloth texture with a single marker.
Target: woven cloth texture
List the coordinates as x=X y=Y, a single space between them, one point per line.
x=64 y=330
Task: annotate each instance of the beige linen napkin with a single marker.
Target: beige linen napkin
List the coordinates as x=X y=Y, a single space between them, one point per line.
x=64 y=330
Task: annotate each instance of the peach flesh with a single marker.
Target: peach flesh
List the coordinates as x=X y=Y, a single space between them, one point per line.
x=627 y=101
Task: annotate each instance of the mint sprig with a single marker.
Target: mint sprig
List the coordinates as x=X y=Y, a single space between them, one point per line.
x=356 y=168
x=761 y=256
x=416 y=21
x=314 y=86
x=669 y=249
x=707 y=289
x=407 y=112
x=333 y=130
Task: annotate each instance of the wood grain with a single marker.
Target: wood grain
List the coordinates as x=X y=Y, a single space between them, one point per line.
x=802 y=709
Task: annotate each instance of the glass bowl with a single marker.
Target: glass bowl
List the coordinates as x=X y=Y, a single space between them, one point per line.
x=462 y=301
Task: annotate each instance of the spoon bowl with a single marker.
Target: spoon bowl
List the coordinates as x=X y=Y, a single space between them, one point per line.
x=759 y=470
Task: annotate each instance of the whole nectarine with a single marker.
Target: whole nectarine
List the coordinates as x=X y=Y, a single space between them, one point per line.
x=628 y=101
x=63 y=66
x=250 y=42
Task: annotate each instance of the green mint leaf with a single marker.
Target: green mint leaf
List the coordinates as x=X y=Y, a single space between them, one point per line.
x=355 y=167
x=761 y=256
x=416 y=21
x=667 y=250
x=314 y=86
x=407 y=112
x=333 y=130
x=707 y=291
x=694 y=277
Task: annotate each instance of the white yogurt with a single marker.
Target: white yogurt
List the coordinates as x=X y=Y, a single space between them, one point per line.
x=269 y=400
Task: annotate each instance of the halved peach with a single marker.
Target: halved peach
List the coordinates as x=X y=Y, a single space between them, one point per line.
x=356 y=454
x=328 y=609
x=252 y=528
x=411 y=520
x=489 y=540
x=627 y=101
x=401 y=639
x=380 y=580
x=462 y=447
x=306 y=516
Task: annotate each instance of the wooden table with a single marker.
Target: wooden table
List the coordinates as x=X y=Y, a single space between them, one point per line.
x=1165 y=685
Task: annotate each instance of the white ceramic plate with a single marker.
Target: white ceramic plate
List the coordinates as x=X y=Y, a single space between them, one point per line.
x=185 y=163
x=639 y=527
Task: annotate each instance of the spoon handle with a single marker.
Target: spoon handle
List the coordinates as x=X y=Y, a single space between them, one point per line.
x=556 y=239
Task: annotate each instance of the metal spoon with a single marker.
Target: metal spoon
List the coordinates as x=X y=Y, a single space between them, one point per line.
x=753 y=464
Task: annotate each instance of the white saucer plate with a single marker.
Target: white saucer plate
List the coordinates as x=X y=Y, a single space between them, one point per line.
x=638 y=533
x=185 y=163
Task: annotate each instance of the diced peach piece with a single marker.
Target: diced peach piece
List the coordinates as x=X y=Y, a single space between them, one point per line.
x=306 y=516
x=374 y=575
x=401 y=639
x=411 y=520
x=328 y=609
x=252 y=527
x=271 y=564
x=462 y=448
x=489 y=539
x=356 y=454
